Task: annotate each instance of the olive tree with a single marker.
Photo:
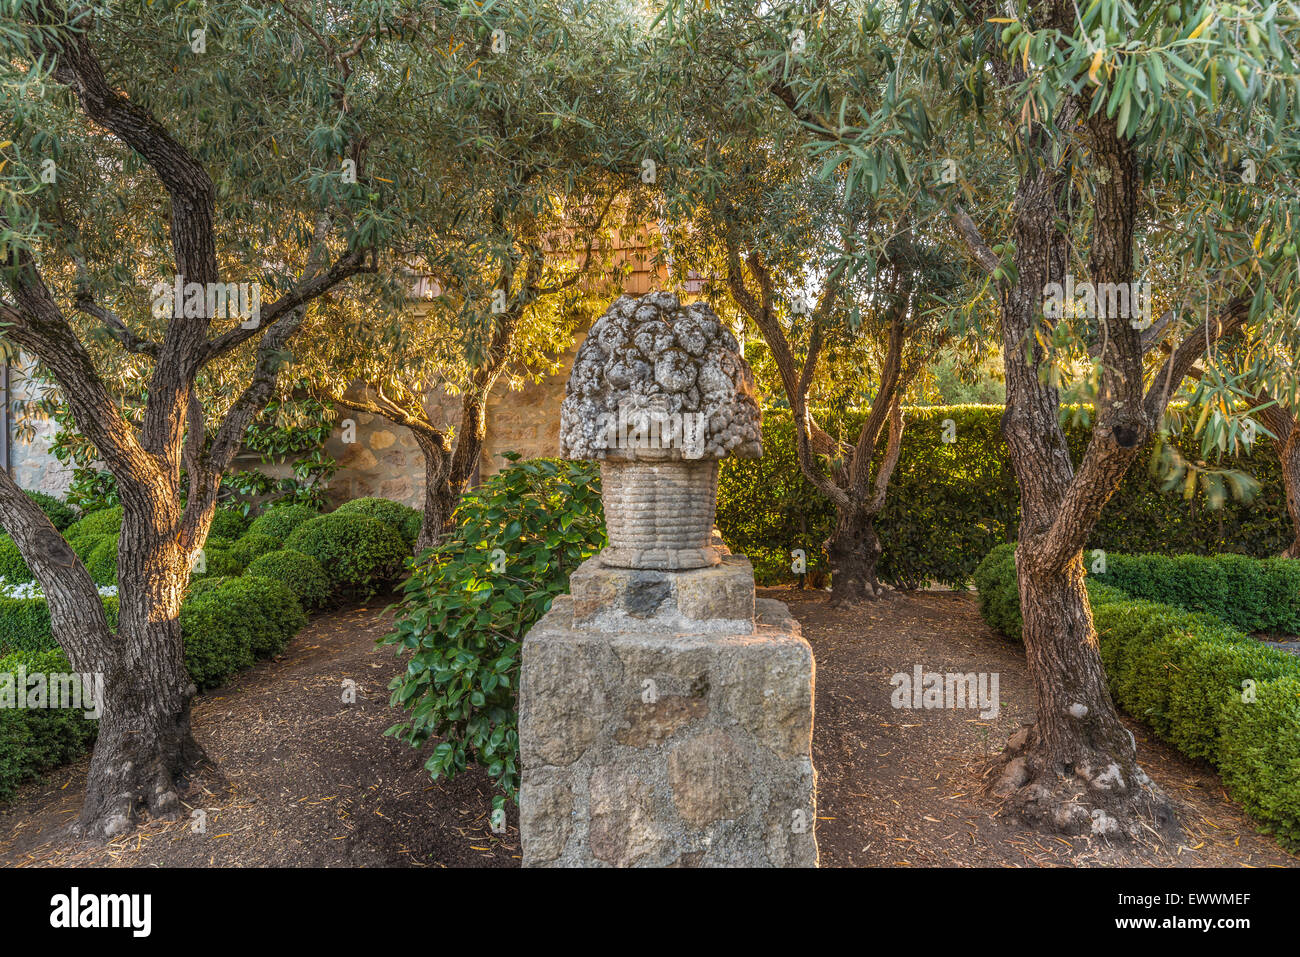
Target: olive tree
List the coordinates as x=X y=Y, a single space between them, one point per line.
x=183 y=184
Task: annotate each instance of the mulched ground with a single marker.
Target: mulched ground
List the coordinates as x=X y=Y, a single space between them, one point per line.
x=306 y=779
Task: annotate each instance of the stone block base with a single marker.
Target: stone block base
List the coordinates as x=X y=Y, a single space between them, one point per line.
x=649 y=748
x=717 y=599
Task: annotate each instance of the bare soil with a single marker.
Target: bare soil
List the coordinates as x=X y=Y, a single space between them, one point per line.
x=302 y=778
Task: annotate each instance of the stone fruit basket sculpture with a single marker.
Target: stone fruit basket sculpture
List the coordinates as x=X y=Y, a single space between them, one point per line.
x=660 y=393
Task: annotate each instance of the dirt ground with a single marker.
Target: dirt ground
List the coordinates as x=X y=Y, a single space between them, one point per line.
x=306 y=779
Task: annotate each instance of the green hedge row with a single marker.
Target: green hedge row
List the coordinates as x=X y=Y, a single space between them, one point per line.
x=949 y=503
x=36 y=740
x=1201 y=684
x=1258 y=595
x=227 y=622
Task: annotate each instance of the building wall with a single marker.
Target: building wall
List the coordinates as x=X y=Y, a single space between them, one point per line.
x=30 y=462
x=385 y=461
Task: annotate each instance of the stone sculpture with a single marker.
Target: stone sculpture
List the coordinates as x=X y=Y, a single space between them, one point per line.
x=665 y=713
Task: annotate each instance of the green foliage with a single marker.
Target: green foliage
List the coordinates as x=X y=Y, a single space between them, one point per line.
x=402 y=518
x=105 y=521
x=302 y=573
x=228 y=523
x=1200 y=683
x=12 y=567
x=85 y=543
x=25 y=623
x=1260 y=755
x=226 y=627
x=102 y=561
x=252 y=545
x=35 y=740
x=362 y=555
x=219 y=560
x=1252 y=594
x=950 y=503
x=999 y=595
x=291 y=433
x=59 y=514
x=462 y=622
x=279 y=521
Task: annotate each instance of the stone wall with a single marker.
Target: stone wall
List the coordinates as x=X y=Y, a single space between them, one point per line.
x=30 y=461
x=385 y=460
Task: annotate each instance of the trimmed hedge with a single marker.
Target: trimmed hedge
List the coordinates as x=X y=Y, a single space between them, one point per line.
x=102 y=561
x=401 y=518
x=950 y=503
x=12 y=567
x=1203 y=685
x=302 y=573
x=25 y=623
x=361 y=554
x=280 y=521
x=105 y=521
x=252 y=545
x=35 y=740
x=228 y=523
x=1253 y=594
x=226 y=628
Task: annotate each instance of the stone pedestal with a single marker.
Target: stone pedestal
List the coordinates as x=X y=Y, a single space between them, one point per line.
x=665 y=719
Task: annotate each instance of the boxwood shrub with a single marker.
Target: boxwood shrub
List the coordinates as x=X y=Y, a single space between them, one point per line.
x=25 y=623
x=104 y=521
x=362 y=555
x=1255 y=594
x=302 y=573
x=228 y=523
x=404 y=519
x=33 y=741
x=12 y=567
x=279 y=521
x=227 y=627
x=102 y=561
x=251 y=545
x=1200 y=683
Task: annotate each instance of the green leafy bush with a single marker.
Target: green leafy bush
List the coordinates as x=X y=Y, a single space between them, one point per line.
x=279 y=522
x=1200 y=683
x=251 y=545
x=402 y=518
x=1252 y=593
x=25 y=623
x=85 y=543
x=105 y=521
x=226 y=627
x=228 y=523
x=35 y=740
x=949 y=503
x=462 y=622
x=102 y=561
x=219 y=560
x=361 y=554
x=302 y=573
x=12 y=567
x=201 y=585
x=1260 y=755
